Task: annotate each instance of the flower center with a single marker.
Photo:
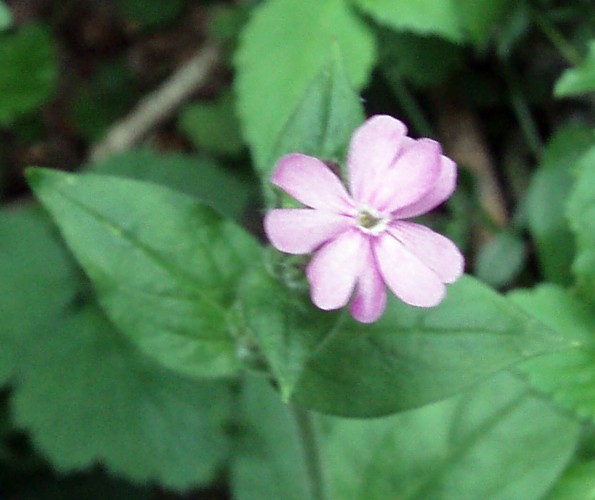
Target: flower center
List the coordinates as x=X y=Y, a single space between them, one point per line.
x=370 y=221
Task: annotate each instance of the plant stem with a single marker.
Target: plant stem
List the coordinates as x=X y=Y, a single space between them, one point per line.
x=523 y=113
x=556 y=38
x=307 y=434
x=411 y=106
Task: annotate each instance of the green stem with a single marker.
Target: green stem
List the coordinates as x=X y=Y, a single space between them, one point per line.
x=411 y=107
x=556 y=38
x=523 y=112
x=307 y=434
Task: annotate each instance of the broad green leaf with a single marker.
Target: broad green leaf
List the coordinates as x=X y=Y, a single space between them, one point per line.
x=282 y=49
x=5 y=16
x=409 y=358
x=423 y=17
x=325 y=117
x=219 y=188
x=213 y=126
x=547 y=198
x=581 y=213
x=452 y=20
x=165 y=267
x=577 y=482
x=29 y=70
x=323 y=122
x=496 y=442
x=6 y=364
x=501 y=259
x=268 y=460
x=86 y=395
x=578 y=80
x=568 y=377
x=37 y=281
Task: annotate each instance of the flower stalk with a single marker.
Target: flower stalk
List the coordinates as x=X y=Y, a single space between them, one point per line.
x=307 y=434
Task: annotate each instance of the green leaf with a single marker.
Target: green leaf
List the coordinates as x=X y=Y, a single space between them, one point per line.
x=577 y=482
x=580 y=79
x=86 y=394
x=498 y=441
x=282 y=49
x=5 y=16
x=6 y=365
x=219 y=188
x=268 y=461
x=409 y=358
x=547 y=198
x=581 y=213
x=567 y=376
x=423 y=17
x=288 y=330
x=324 y=120
x=29 y=70
x=452 y=20
x=37 y=281
x=213 y=126
x=501 y=259
x=164 y=266
x=322 y=123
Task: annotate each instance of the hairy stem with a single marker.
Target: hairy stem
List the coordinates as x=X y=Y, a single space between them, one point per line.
x=412 y=109
x=556 y=38
x=523 y=113
x=307 y=434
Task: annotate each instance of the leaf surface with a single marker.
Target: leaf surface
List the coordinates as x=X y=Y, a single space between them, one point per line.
x=165 y=267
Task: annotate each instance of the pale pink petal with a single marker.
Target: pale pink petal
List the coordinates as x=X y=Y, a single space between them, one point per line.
x=373 y=148
x=333 y=271
x=443 y=188
x=303 y=230
x=311 y=182
x=408 y=278
x=369 y=300
x=436 y=251
x=410 y=178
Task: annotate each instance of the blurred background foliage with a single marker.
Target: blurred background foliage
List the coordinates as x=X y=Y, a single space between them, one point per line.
x=506 y=86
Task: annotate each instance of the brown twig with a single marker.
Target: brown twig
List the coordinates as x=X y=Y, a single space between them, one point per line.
x=460 y=132
x=158 y=105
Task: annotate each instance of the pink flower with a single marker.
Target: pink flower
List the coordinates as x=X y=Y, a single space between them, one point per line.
x=362 y=240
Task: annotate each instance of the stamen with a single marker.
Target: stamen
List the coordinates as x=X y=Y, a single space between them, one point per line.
x=367 y=220
x=370 y=221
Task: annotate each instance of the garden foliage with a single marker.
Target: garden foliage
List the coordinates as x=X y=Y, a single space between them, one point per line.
x=149 y=329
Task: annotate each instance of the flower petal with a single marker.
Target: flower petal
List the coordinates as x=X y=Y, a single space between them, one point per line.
x=443 y=188
x=311 y=182
x=303 y=230
x=408 y=278
x=373 y=148
x=436 y=251
x=411 y=177
x=369 y=301
x=333 y=271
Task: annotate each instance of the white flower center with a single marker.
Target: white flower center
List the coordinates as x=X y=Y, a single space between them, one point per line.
x=370 y=221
